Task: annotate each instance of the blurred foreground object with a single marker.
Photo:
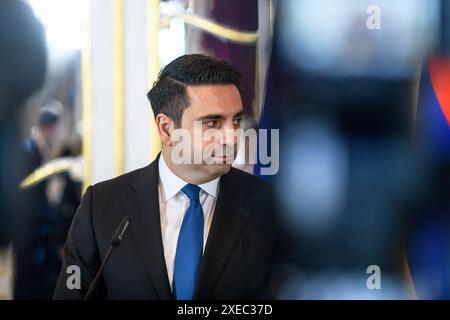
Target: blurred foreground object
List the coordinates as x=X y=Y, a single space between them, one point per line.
x=429 y=237
x=22 y=72
x=351 y=179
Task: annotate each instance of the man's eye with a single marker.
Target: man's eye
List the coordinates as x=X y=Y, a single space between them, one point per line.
x=211 y=123
x=237 y=121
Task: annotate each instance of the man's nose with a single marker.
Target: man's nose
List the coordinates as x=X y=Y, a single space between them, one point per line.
x=228 y=136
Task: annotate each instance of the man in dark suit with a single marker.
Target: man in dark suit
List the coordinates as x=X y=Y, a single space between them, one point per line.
x=199 y=229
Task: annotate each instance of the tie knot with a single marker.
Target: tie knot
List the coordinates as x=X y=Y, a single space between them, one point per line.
x=192 y=191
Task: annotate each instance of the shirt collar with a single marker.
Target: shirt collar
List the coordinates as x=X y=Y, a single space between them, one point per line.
x=172 y=184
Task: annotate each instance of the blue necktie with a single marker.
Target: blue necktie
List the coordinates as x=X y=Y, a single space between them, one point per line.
x=189 y=247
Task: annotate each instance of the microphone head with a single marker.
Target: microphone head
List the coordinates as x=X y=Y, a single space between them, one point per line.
x=120 y=232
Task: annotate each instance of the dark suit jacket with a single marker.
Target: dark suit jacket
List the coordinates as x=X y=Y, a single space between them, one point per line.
x=243 y=245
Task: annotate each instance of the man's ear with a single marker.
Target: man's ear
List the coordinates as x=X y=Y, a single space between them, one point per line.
x=165 y=126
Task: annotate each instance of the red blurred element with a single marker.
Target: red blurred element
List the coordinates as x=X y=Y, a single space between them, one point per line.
x=439 y=69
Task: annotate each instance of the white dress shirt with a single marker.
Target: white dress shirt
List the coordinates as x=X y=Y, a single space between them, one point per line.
x=173 y=204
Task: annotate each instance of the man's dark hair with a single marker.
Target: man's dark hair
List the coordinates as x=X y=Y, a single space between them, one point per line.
x=50 y=114
x=47 y=118
x=168 y=94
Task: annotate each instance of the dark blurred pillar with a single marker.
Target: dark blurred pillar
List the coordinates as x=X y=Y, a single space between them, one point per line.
x=236 y=14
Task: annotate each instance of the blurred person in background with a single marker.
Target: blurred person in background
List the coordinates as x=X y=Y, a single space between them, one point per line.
x=46 y=210
x=45 y=140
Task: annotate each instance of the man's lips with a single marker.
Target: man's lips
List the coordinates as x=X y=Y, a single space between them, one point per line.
x=225 y=157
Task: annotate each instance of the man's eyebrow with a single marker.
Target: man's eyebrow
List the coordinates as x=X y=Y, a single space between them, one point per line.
x=219 y=116
x=212 y=117
x=239 y=114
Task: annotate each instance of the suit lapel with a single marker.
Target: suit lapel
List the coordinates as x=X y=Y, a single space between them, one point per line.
x=146 y=225
x=229 y=222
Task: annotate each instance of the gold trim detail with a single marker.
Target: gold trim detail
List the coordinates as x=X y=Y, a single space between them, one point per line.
x=118 y=89
x=86 y=92
x=54 y=167
x=153 y=67
x=218 y=29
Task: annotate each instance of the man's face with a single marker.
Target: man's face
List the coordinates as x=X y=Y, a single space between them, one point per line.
x=216 y=107
x=51 y=138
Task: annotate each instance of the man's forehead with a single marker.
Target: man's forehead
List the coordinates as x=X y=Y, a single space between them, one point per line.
x=214 y=92
x=223 y=99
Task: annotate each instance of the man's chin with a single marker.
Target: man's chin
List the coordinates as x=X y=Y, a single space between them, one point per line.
x=219 y=169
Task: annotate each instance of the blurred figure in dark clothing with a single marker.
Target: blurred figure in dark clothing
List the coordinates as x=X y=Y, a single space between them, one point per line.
x=45 y=214
x=22 y=72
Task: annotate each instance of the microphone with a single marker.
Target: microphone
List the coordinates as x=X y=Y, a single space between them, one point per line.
x=115 y=243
